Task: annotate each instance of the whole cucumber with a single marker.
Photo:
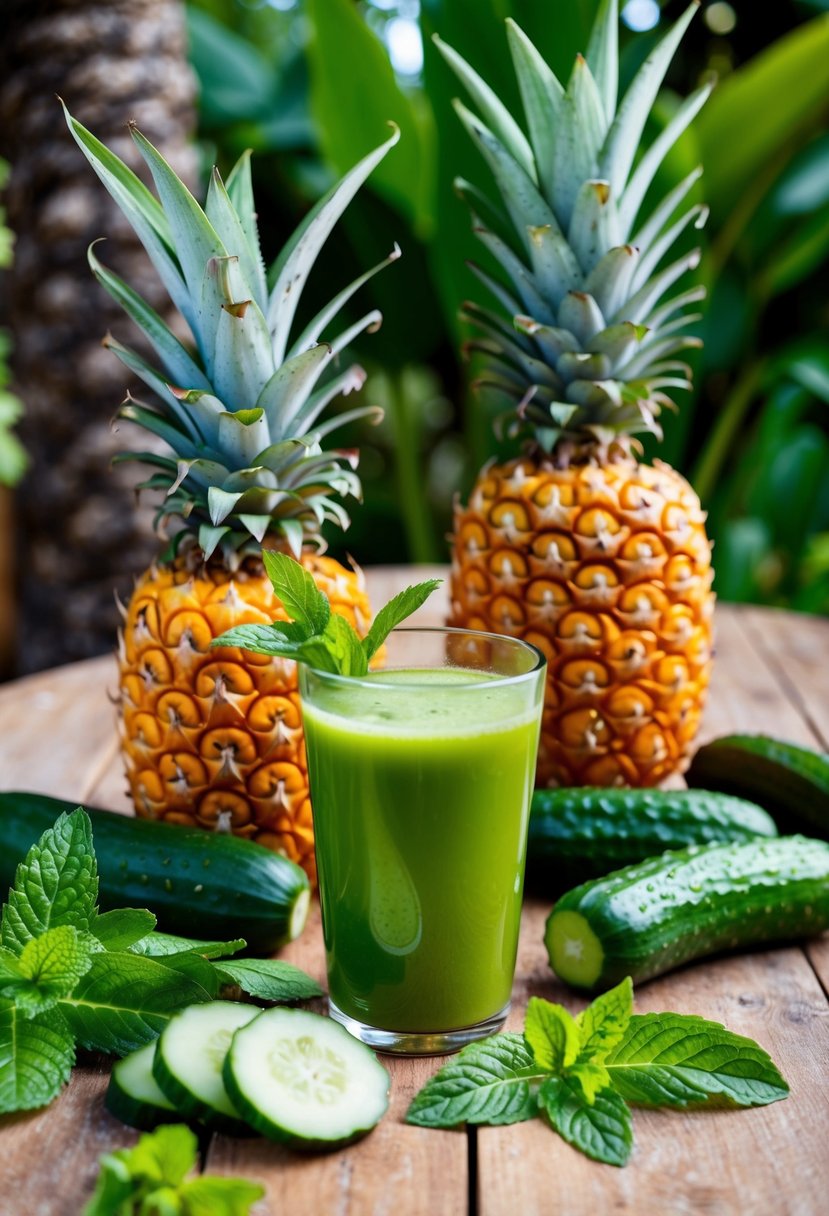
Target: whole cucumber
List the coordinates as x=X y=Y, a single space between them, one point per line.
x=580 y=833
x=208 y=885
x=647 y=919
x=790 y=781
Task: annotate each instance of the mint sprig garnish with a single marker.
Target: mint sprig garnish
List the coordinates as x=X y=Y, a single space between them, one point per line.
x=152 y=1178
x=580 y=1073
x=315 y=635
x=109 y=982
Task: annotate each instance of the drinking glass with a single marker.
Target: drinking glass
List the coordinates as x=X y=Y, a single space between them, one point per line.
x=421 y=776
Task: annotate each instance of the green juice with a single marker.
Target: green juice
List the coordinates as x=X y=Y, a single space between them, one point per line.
x=421 y=789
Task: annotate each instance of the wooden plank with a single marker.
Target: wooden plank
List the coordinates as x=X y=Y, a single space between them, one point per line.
x=745 y=695
x=396 y=1169
x=57 y=729
x=50 y=1157
x=794 y=646
x=770 y=1161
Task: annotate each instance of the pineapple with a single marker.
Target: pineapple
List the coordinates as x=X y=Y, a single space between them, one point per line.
x=598 y=559
x=213 y=736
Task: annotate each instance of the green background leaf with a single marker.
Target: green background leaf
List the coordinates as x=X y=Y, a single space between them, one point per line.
x=123 y=927
x=270 y=979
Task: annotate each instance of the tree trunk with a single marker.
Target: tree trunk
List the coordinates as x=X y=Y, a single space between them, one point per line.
x=80 y=537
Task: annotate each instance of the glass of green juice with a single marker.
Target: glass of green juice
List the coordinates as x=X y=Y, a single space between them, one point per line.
x=421 y=776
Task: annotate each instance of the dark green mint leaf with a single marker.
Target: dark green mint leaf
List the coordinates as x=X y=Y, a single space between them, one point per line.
x=603 y=1130
x=56 y=884
x=123 y=928
x=552 y=1034
x=157 y=945
x=195 y=967
x=48 y=968
x=213 y=1196
x=679 y=1060
x=301 y=597
x=603 y=1023
x=395 y=612
x=36 y=1058
x=125 y=1000
x=270 y=979
x=493 y=1081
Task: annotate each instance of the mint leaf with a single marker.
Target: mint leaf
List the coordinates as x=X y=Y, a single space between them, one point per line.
x=282 y=638
x=195 y=967
x=36 y=1058
x=603 y=1024
x=344 y=647
x=270 y=979
x=165 y=1156
x=552 y=1034
x=56 y=884
x=123 y=927
x=395 y=612
x=157 y=945
x=493 y=1081
x=212 y=1196
x=602 y=1131
x=150 y=1179
x=591 y=1076
x=48 y=968
x=679 y=1060
x=301 y=597
x=124 y=1001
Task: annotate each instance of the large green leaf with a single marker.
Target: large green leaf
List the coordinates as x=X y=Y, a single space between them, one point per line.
x=36 y=1058
x=351 y=119
x=760 y=110
x=493 y=1082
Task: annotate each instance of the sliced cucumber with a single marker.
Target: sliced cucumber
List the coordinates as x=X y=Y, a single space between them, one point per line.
x=133 y=1095
x=189 y=1058
x=302 y=1079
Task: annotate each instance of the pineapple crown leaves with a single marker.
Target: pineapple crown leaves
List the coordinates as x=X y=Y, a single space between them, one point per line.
x=241 y=410
x=586 y=331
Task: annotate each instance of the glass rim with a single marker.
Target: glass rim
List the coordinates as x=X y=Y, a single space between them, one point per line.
x=372 y=682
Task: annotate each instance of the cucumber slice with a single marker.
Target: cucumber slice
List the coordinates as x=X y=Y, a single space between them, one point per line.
x=133 y=1095
x=189 y=1058
x=302 y=1079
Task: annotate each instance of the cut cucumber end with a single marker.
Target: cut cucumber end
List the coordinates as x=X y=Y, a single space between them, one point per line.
x=302 y=1079
x=299 y=913
x=133 y=1095
x=575 y=952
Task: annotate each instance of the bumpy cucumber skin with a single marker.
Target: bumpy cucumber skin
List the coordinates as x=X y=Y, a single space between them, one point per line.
x=581 y=833
x=791 y=781
x=275 y=1131
x=669 y=910
x=199 y=884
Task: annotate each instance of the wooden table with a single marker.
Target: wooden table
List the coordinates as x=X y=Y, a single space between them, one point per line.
x=57 y=737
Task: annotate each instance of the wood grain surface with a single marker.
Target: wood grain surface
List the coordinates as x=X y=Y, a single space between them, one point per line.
x=57 y=737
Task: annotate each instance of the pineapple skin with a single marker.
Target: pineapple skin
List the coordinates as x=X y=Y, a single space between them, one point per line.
x=606 y=568
x=212 y=737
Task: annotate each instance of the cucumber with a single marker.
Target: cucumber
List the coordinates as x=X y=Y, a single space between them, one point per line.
x=791 y=781
x=302 y=1079
x=133 y=1095
x=198 y=884
x=580 y=833
x=189 y=1057
x=649 y=918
